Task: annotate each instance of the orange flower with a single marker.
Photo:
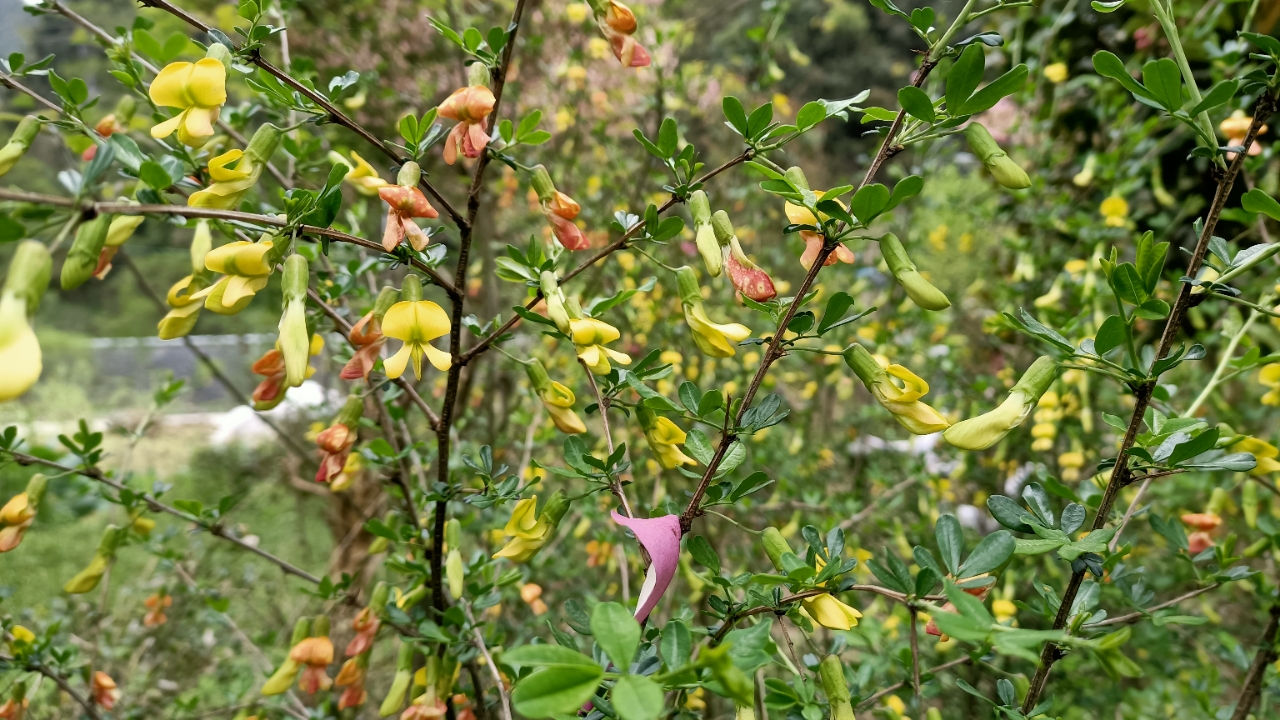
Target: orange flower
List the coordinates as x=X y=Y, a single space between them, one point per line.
x=156 y=604
x=366 y=626
x=1206 y=522
x=406 y=203
x=316 y=653
x=335 y=443
x=270 y=391
x=352 y=677
x=469 y=106
x=367 y=337
x=618 y=24
x=560 y=210
x=1198 y=542
x=14 y=710
x=1236 y=128
x=105 y=692
x=107 y=127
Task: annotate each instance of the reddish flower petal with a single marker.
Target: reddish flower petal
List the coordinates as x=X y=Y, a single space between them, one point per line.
x=568 y=233
x=754 y=283
x=660 y=537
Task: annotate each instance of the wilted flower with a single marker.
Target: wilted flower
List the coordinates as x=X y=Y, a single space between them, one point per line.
x=198 y=90
x=618 y=24
x=469 y=106
x=366 y=336
x=747 y=277
x=800 y=215
x=363 y=177
x=560 y=211
x=664 y=438
x=20 y=357
x=531 y=593
x=982 y=432
x=351 y=678
x=19 y=513
x=904 y=402
x=529 y=529
x=713 y=339
x=660 y=537
x=590 y=336
x=105 y=692
x=315 y=653
x=270 y=392
x=335 y=442
x=156 y=604
x=555 y=397
x=14 y=709
x=405 y=204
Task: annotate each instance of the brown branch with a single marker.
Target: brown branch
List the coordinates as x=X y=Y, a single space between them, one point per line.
x=155 y=505
x=61 y=682
x=125 y=208
x=478 y=638
x=6 y=79
x=601 y=254
x=1146 y=612
x=1266 y=655
x=1122 y=473
x=335 y=115
x=775 y=351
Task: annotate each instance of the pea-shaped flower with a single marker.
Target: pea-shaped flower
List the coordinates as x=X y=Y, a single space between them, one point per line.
x=560 y=211
x=469 y=106
x=800 y=215
x=198 y=90
x=20 y=358
x=529 y=529
x=980 y=433
x=416 y=323
x=19 y=513
x=363 y=177
x=590 y=336
x=246 y=267
x=664 y=438
x=904 y=402
x=555 y=397
x=234 y=172
x=713 y=339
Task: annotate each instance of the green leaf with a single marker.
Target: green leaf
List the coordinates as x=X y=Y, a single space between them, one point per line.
x=1035 y=546
x=907 y=187
x=986 y=98
x=704 y=554
x=1219 y=94
x=964 y=78
x=869 y=202
x=668 y=136
x=546 y=656
x=837 y=305
x=11 y=230
x=1107 y=7
x=811 y=114
x=759 y=120
x=636 y=697
x=1128 y=284
x=950 y=541
x=1110 y=335
x=1164 y=81
x=961 y=628
x=917 y=103
x=1171 y=530
x=1106 y=64
x=1258 y=201
x=1197 y=445
x=617 y=633
x=697 y=445
x=561 y=691
x=734 y=113
x=990 y=554
x=1009 y=513
x=676 y=644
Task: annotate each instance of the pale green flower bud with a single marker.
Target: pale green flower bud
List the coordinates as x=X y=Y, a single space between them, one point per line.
x=1006 y=172
x=542 y=184
x=921 y=291
x=411 y=289
x=723 y=227
x=410 y=174
x=82 y=258
x=400 y=685
x=796 y=176
x=19 y=143
x=982 y=432
x=700 y=208
x=833 y=684
x=710 y=250
x=557 y=309
x=221 y=53
x=29 y=272
x=775 y=546
x=295 y=341
x=87 y=579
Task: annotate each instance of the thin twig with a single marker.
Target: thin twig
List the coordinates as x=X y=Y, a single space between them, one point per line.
x=88 y=706
x=615 y=483
x=1146 y=612
x=1252 y=686
x=865 y=513
x=897 y=686
x=155 y=505
x=488 y=659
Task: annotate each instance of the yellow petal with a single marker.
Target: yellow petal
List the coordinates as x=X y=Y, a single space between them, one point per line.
x=207 y=84
x=20 y=360
x=220 y=167
x=197 y=126
x=396 y=364
x=166 y=128
x=169 y=87
x=439 y=359
x=916 y=387
x=418 y=321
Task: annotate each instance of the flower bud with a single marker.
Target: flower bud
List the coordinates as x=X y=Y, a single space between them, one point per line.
x=700 y=208
x=19 y=143
x=411 y=289
x=456 y=573
x=982 y=432
x=921 y=291
x=709 y=249
x=82 y=258
x=833 y=684
x=542 y=184
x=775 y=546
x=554 y=296
x=87 y=579
x=29 y=272
x=410 y=174
x=400 y=685
x=295 y=341
x=1006 y=172
x=282 y=679
x=723 y=227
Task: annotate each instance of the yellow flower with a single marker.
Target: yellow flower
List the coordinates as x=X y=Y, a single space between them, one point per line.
x=664 y=438
x=1270 y=376
x=577 y=12
x=1115 y=209
x=234 y=172
x=529 y=530
x=711 y=338
x=198 y=90
x=20 y=359
x=245 y=266
x=590 y=336
x=1056 y=72
x=904 y=402
x=830 y=612
x=1265 y=452
x=983 y=431
x=416 y=323
x=363 y=177
x=556 y=398
x=1004 y=610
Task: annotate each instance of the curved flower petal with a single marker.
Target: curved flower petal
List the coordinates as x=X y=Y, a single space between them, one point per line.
x=207 y=83
x=395 y=365
x=169 y=87
x=660 y=537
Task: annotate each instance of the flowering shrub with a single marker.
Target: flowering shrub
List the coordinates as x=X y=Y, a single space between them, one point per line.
x=1045 y=469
